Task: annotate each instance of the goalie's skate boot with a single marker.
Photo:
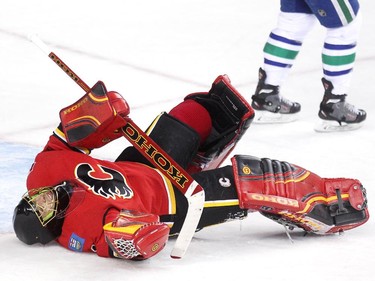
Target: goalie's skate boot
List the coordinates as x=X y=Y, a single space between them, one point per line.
x=270 y=106
x=336 y=113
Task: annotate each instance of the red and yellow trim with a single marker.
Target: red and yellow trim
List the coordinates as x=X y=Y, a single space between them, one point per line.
x=321 y=198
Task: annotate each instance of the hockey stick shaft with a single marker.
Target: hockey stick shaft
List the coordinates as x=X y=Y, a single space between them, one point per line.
x=193 y=192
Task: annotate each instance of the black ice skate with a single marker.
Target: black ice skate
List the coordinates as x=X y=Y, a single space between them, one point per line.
x=336 y=113
x=270 y=106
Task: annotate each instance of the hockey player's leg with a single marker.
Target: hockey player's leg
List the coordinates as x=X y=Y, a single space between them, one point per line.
x=294 y=196
x=221 y=201
x=270 y=106
x=280 y=52
x=336 y=114
x=338 y=59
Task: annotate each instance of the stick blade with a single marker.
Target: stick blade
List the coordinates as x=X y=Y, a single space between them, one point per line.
x=34 y=38
x=196 y=203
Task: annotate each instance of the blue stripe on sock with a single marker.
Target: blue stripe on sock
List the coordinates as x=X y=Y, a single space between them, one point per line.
x=275 y=63
x=285 y=40
x=338 y=47
x=337 y=73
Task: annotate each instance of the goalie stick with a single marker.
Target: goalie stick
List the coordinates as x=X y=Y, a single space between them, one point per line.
x=193 y=192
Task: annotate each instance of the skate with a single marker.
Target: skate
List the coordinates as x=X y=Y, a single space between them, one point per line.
x=336 y=114
x=270 y=106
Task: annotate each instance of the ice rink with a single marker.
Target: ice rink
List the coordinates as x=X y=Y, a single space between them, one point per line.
x=154 y=53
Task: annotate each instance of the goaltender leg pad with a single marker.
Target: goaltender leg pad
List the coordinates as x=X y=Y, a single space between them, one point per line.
x=95 y=119
x=231 y=116
x=294 y=196
x=174 y=137
x=221 y=200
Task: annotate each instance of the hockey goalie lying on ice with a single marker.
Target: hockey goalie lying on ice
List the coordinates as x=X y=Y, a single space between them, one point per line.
x=128 y=209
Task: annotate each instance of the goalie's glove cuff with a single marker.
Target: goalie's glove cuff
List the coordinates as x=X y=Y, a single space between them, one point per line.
x=136 y=236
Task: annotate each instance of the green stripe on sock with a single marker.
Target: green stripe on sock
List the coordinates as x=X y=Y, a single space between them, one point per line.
x=338 y=60
x=280 y=52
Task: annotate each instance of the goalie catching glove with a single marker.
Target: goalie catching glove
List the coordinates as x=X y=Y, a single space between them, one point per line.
x=136 y=236
x=95 y=119
x=293 y=196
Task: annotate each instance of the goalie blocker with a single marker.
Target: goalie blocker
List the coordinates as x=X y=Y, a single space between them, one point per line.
x=293 y=196
x=95 y=119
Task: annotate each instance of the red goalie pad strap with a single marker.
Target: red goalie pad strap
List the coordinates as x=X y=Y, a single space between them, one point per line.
x=95 y=119
x=352 y=189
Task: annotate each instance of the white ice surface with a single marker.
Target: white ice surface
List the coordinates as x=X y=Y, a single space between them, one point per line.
x=154 y=53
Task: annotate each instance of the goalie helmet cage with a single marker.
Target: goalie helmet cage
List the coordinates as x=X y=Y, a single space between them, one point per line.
x=192 y=191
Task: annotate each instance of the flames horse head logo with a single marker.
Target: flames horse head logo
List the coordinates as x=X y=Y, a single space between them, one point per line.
x=104 y=181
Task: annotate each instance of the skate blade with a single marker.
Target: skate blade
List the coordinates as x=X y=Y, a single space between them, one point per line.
x=266 y=117
x=324 y=126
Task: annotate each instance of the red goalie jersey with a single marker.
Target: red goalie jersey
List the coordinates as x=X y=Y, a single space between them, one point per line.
x=105 y=189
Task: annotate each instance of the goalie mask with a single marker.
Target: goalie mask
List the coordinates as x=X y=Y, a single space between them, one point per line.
x=39 y=216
